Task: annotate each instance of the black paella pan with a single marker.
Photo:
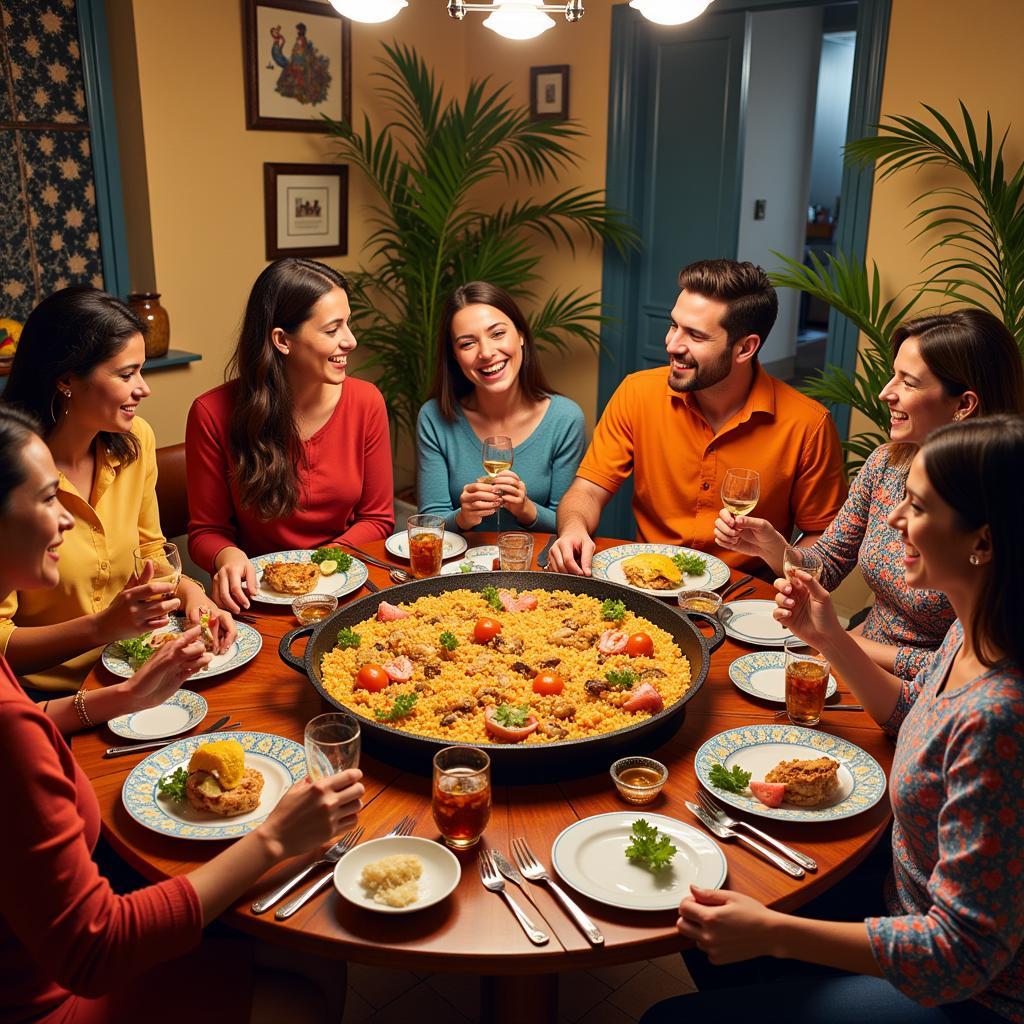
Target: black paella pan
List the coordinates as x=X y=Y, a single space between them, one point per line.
x=515 y=762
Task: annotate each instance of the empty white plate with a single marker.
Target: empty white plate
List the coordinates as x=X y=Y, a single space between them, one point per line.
x=752 y=622
x=179 y=713
x=398 y=544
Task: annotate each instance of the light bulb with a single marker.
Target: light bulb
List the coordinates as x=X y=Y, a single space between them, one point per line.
x=368 y=11
x=670 y=12
x=518 y=19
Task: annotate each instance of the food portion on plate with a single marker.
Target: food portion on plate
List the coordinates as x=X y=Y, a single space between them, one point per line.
x=662 y=570
x=805 y=782
x=506 y=666
x=217 y=779
x=393 y=881
x=291 y=577
x=285 y=575
x=652 y=572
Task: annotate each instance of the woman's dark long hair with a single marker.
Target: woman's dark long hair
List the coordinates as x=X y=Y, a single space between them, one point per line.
x=16 y=427
x=69 y=334
x=451 y=385
x=975 y=467
x=264 y=438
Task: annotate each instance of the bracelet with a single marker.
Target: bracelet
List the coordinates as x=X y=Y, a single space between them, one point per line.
x=196 y=582
x=83 y=715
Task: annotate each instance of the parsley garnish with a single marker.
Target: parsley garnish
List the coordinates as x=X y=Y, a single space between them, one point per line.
x=621 y=678
x=347 y=638
x=173 y=787
x=448 y=640
x=332 y=555
x=613 y=611
x=490 y=595
x=649 y=847
x=691 y=565
x=512 y=717
x=733 y=780
x=404 y=703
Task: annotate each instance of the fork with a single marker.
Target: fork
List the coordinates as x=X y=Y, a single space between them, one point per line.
x=534 y=871
x=403 y=828
x=331 y=856
x=492 y=880
x=718 y=812
x=722 y=832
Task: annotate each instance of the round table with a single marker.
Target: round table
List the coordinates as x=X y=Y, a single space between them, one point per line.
x=473 y=931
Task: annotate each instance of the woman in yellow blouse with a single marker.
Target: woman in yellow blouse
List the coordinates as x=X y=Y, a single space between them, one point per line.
x=78 y=369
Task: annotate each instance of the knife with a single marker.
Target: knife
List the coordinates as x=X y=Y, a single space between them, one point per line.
x=542 y=561
x=152 y=744
x=732 y=586
x=369 y=558
x=724 y=832
x=510 y=871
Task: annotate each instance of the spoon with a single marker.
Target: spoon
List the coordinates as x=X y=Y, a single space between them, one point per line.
x=400 y=576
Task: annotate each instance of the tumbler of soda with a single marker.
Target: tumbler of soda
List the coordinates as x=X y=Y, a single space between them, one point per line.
x=462 y=795
x=806 y=684
x=426 y=545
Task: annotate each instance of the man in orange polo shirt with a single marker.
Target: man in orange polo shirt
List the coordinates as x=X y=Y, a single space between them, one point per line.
x=678 y=428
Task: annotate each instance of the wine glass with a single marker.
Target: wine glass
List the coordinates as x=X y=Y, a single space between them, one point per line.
x=805 y=559
x=740 y=490
x=166 y=561
x=332 y=744
x=497 y=456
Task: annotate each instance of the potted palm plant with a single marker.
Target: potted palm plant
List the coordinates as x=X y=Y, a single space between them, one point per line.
x=426 y=164
x=977 y=254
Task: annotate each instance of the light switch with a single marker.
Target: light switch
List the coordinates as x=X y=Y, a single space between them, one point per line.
x=759 y=207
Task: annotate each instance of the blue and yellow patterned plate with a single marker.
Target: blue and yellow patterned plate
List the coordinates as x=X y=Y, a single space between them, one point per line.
x=179 y=713
x=282 y=763
x=759 y=748
x=340 y=583
x=763 y=675
x=607 y=565
x=246 y=646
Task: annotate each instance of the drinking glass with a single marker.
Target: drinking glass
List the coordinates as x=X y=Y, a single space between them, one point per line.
x=497 y=455
x=740 y=490
x=166 y=561
x=462 y=795
x=806 y=683
x=805 y=559
x=332 y=744
x=515 y=551
x=426 y=545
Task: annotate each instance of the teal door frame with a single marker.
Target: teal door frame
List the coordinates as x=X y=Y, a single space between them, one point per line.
x=626 y=185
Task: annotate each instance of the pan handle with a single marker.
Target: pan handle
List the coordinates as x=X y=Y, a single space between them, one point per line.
x=284 y=648
x=717 y=637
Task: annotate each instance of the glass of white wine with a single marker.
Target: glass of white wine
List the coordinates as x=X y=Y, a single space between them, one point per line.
x=805 y=559
x=166 y=561
x=497 y=454
x=332 y=744
x=741 y=489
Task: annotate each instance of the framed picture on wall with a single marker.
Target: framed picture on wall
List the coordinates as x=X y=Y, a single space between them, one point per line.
x=297 y=65
x=305 y=209
x=549 y=93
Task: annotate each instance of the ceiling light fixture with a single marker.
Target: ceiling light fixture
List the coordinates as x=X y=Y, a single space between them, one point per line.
x=517 y=19
x=368 y=11
x=670 y=12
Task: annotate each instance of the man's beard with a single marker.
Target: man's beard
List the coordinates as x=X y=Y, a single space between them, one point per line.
x=705 y=376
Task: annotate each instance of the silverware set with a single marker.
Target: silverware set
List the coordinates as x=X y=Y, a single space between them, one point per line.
x=165 y=742
x=493 y=861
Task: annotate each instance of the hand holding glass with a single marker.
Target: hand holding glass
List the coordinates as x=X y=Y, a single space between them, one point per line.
x=740 y=490
x=332 y=744
x=805 y=559
x=166 y=564
x=497 y=455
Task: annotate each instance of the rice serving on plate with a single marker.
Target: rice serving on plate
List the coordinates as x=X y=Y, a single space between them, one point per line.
x=455 y=688
x=393 y=881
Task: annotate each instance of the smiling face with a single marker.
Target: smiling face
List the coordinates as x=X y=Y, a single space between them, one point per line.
x=697 y=344
x=917 y=401
x=487 y=347
x=319 y=348
x=105 y=399
x=32 y=524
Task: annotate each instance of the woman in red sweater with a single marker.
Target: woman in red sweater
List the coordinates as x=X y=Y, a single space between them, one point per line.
x=70 y=949
x=290 y=452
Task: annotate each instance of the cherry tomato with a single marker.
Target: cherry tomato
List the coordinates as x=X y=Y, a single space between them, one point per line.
x=640 y=645
x=548 y=684
x=371 y=677
x=486 y=630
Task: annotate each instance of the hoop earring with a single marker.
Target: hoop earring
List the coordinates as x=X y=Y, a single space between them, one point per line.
x=974 y=560
x=67 y=398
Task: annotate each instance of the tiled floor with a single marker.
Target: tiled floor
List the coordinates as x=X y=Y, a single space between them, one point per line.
x=611 y=995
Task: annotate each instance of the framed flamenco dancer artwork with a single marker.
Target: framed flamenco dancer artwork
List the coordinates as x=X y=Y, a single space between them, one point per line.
x=297 y=65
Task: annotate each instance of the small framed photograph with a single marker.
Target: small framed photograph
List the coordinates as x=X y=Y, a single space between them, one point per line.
x=549 y=93
x=297 y=65
x=305 y=209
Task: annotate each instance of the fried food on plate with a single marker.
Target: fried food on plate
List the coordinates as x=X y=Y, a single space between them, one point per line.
x=808 y=783
x=219 y=781
x=653 y=572
x=291 y=577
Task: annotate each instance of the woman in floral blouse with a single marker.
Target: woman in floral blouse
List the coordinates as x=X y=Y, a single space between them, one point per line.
x=946 y=945
x=946 y=368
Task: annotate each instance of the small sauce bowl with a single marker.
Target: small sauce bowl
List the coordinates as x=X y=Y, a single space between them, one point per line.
x=706 y=601
x=310 y=609
x=639 y=780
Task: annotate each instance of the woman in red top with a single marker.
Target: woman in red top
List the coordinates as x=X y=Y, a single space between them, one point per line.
x=70 y=949
x=290 y=453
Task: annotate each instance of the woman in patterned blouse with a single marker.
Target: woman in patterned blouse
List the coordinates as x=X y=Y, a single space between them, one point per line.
x=947 y=944
x=946 y=368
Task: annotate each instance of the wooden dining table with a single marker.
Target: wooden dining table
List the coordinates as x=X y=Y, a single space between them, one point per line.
x=473 y=931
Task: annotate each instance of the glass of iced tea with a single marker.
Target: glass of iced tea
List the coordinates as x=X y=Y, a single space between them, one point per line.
x=806 y=683
x=426 y=545
x=462 y=795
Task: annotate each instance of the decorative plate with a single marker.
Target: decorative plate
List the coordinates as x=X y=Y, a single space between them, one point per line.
x=282 y=762
x=179 y=713
x=762 y=674
x=590 y=855
x=340 y=583
x=245 y=647
x=441 y=871
x=476 y=559
x=752 y=622
x=453 y=544
x=607 y=565
x=759 y=748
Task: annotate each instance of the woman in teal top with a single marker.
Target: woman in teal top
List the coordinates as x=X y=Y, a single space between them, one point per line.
x=489 y=381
